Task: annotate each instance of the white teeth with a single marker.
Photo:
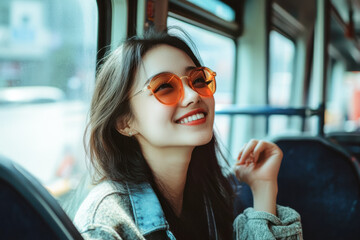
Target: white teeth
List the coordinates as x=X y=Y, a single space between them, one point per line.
x=192 y=118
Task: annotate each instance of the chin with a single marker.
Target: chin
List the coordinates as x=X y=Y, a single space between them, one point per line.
x=202 y=140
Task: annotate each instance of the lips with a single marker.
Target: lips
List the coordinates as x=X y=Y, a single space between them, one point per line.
x=196 y=116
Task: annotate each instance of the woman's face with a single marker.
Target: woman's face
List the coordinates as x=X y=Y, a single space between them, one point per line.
x=162 y=125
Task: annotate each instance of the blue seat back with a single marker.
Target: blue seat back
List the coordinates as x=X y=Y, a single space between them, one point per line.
x=321 y=182
x=27 y=210
x=348 y=140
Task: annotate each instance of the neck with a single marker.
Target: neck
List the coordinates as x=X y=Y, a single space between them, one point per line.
x=170 y=166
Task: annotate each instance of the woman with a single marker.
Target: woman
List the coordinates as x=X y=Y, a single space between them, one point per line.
x=153 y=146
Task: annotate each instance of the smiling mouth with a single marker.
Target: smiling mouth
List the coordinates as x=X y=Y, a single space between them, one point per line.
x=195 y=118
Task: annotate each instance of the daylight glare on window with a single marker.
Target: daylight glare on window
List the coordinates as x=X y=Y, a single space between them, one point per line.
x=282 y=51
x=216 y=7
x=47 y=69
x=281 y=69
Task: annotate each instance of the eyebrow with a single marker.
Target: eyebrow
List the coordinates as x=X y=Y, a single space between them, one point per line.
x=187 y=69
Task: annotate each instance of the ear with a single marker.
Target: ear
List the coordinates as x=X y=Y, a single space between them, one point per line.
x=123 y=127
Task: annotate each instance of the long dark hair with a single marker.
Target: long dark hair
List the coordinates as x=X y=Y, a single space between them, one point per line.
x=119 y=158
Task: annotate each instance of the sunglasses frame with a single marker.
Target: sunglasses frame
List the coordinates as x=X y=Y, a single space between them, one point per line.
x=147 y=87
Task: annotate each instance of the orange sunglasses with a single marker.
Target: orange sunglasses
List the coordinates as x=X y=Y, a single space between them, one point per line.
x=168 y=88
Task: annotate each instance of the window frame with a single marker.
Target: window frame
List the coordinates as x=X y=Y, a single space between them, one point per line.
x=112 y=14
x=195 y=15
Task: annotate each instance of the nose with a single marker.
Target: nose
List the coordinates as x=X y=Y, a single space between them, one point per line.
x=190 y=95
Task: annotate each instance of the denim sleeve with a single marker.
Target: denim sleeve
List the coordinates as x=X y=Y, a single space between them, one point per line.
x=259 y=225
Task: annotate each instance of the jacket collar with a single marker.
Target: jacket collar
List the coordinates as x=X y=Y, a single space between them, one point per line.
x=148 y=214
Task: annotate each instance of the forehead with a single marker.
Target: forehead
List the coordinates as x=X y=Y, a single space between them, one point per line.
x=163 y=58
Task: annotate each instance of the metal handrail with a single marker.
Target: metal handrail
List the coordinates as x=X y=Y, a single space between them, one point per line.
x=267 y=111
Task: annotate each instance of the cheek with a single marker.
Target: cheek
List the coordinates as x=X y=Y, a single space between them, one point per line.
x=150 y=116
x=210 y=102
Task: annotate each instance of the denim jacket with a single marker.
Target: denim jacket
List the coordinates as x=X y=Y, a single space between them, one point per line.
x=124 y=211
x=147 y=212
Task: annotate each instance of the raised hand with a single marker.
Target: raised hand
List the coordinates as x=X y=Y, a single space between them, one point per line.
x=258 y=165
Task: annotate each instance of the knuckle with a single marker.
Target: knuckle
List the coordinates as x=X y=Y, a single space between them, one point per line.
x=280 y=152
x=253 y=140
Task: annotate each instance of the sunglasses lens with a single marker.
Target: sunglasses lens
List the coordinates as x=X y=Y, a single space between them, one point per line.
x=166 y=88
x=203 y=82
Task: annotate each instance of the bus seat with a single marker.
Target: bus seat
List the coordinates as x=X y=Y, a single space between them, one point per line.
x=348 y=140
x=243 y=196
x=322 y=182
x=27 y=210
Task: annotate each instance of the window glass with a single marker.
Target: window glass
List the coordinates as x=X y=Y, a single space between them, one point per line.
x=216 y=7
x=282 y=51
x=47 y=71
x=218 y=53
x=281 y=69
x=343 y=110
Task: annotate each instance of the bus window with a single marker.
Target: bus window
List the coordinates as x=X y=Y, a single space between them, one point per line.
x=336 y=107
x=218 y=53
x=47 y=69
x=218 y=8
x=282 y=51
x=350 y=101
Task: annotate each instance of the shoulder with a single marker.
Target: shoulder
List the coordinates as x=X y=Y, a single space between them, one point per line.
x=107 y=211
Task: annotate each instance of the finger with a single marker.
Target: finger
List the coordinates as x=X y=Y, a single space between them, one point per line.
x=250 y=159
x=241 y=151
x=260 y=147
x=248 y=162
x=241 y=154
x=248 y=149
